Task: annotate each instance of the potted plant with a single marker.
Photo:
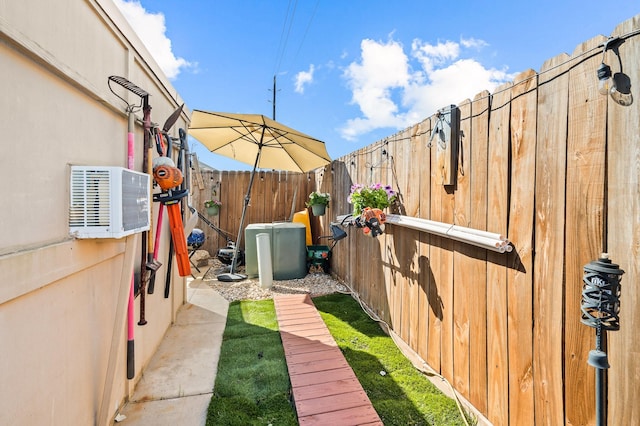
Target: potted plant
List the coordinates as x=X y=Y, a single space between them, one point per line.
x=376 y=196
x=212 y=206
x=318 y=201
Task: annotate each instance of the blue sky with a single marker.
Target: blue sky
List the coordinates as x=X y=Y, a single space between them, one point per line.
x=352 y=72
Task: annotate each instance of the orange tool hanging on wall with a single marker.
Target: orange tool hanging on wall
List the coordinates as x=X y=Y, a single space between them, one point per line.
x=168 y=178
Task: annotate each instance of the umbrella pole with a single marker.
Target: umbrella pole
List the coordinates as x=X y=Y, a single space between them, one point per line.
x=232 y=276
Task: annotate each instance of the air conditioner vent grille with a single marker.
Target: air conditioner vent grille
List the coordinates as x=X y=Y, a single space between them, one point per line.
x=108 y=202
x=90 y=198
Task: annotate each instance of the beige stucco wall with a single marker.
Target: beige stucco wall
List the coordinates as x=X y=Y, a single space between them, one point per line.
x=62 y=300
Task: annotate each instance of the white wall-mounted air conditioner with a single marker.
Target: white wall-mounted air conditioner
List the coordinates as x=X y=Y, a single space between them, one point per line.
x=108 y=202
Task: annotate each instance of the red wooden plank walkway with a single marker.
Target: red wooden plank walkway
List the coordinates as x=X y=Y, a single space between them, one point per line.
x=325 y=388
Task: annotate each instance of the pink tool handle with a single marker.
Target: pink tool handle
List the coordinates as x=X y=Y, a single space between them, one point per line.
x=158 y=229
x=130 y=148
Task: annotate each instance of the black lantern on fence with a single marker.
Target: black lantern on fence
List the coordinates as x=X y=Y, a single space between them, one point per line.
x=600 y=310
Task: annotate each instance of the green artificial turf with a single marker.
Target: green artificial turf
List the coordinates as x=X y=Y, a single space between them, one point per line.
x=252 y=384
x=398 y=391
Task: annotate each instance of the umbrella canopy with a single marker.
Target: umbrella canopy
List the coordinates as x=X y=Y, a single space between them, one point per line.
x=257 y=140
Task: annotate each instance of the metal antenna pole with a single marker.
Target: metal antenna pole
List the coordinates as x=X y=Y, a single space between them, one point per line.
x=274 y=97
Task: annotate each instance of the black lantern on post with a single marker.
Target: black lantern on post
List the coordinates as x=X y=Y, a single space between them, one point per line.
x=600 y=310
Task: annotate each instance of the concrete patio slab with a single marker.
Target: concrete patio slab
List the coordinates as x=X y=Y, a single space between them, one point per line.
x=188 y=410
x=176 y=386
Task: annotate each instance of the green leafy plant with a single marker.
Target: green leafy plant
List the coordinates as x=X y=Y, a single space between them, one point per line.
x=318 y=198
x=211 y=203
x=376 y=196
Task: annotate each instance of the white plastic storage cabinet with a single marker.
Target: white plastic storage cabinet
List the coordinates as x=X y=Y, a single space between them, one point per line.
x=288 y=249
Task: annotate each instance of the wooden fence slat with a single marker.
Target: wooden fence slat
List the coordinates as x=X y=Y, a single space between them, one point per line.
x=349 y=245
x=279 y=187
x=434 y=356
x=380 y=161
x=549 y=237
x=498 y=187
x=413 y=206
x=519 y=279
x=478 y=262
x=447 y=196
x=405 y=245
x=584 y=226
x=360 y=242
x=425 y=311
x=389 y=253
x=462 y=263
x=258 y=198
x=413 y=170
x=225 y=218
x=275 y=195
x=369 y=292
x=395 y=276
x=341 y=186
x=623 y=242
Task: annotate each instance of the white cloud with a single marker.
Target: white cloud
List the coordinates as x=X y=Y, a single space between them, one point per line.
x=383 y=67
x=473 y=43
x=303 y=78
x=151 y=29
x=394 y=90
x=431 y=56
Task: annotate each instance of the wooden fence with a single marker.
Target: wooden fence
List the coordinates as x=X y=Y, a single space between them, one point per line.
x=553 y=165
x=275 y=196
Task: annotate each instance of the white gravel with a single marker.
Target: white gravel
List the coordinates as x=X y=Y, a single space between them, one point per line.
x=316 y=283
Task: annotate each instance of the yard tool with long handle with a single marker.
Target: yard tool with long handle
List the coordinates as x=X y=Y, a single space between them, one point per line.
x=178 y=243
x=167 y=280
x=131 y=108
x=169 y=177
x=175 y=215
x=178 y=238
x=130 y=164
x=151 y=266
x=165 y=175
x=171 y=120
x=156 y=246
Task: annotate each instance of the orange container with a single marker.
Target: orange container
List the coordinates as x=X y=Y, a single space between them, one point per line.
x=303 y=218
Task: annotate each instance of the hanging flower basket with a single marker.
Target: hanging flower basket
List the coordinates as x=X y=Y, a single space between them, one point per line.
x=375 y=196
x=213 y=207
x=318 y=209
x=318 y=201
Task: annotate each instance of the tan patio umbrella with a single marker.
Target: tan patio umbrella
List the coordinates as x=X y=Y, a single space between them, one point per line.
x=258 y=140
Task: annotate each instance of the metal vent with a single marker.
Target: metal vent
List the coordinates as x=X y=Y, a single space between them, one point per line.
x=108 y=202
x=135 y=200
x=90 y=198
